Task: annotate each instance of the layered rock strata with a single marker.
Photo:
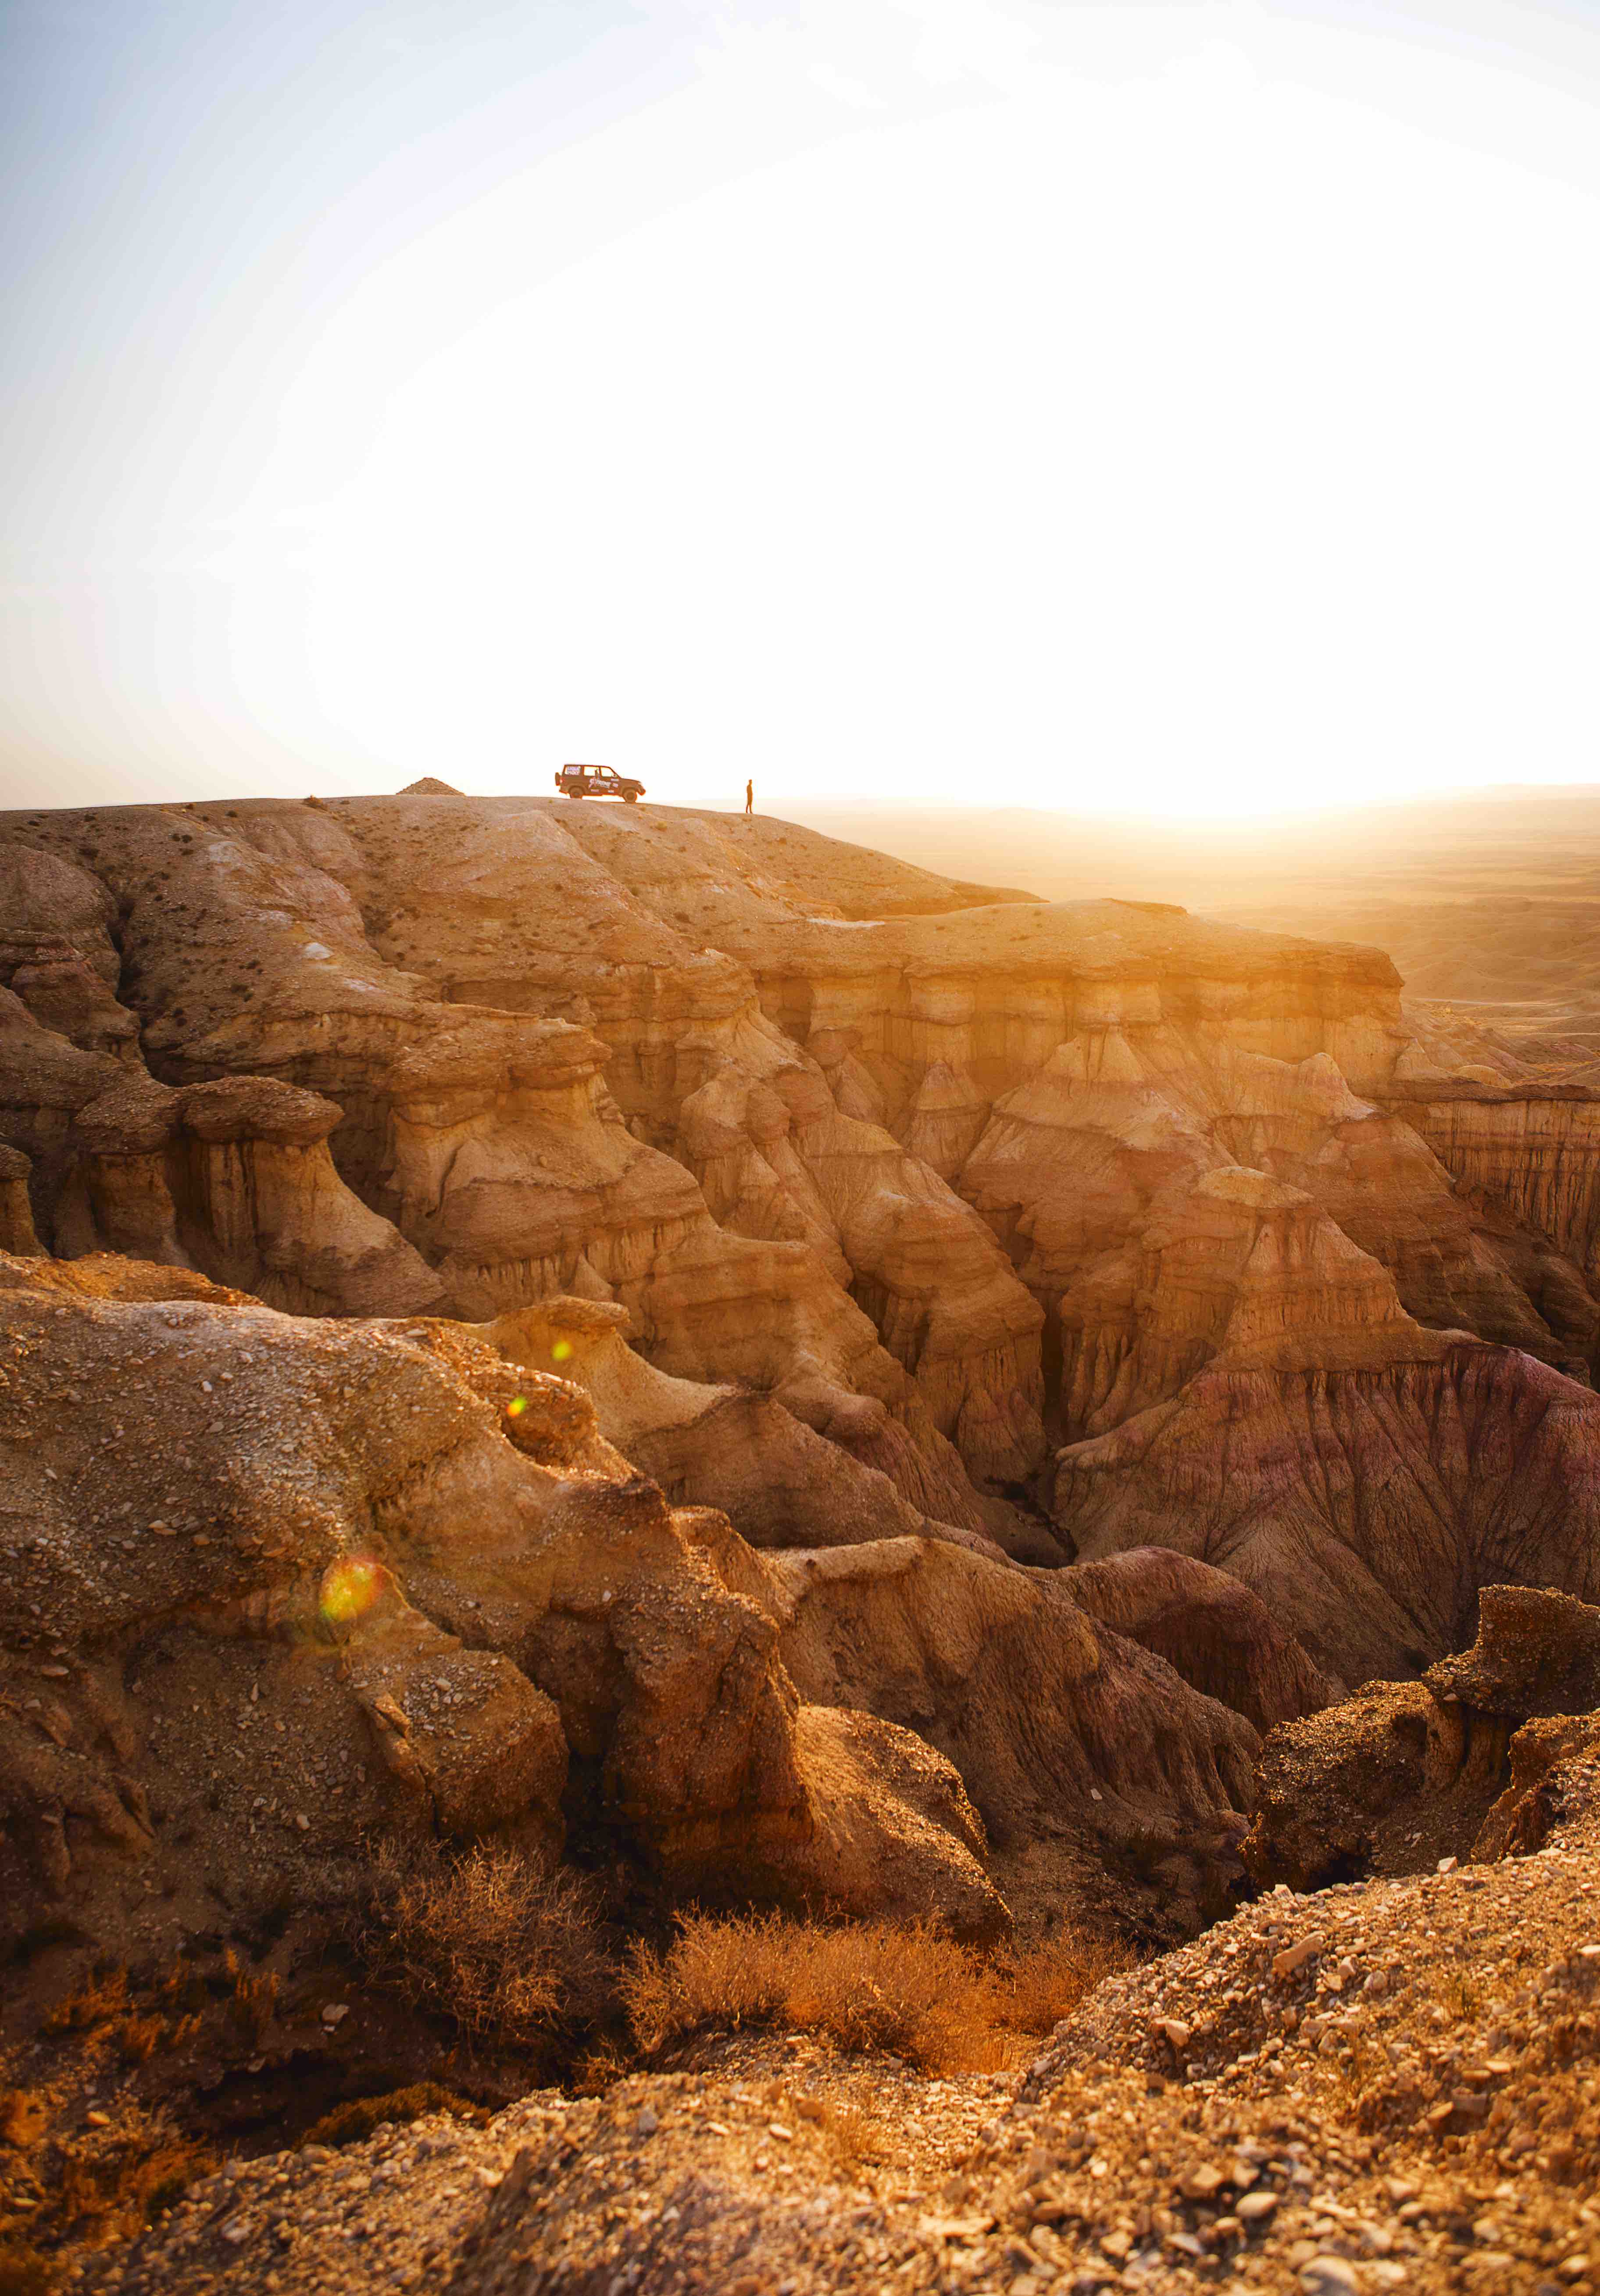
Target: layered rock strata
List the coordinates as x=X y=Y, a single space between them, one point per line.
x=426 y=1596
x=475 y=1619
x=1365 y=1503
x=926 y=1175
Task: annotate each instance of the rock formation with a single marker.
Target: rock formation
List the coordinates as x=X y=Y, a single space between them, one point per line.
x=1390 y=2084
x=1460 y=1762
x=473 y=1618
x=1208 y=1626
x=768 y=1379
x=1366 y=1504
x=922 y=1172
x=477 y=1617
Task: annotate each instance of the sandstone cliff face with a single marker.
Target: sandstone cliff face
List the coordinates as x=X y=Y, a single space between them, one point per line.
x=929 y=1175
x=477 y=1618
x=714 y=1444
x=1042 y=1710
x=489 y=1137
x=16 y=1212
x=1208 y=1626
x=1365 y=1503
x=1540 y=1157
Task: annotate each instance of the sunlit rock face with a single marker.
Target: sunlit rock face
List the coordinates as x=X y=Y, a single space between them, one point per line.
x=533 y=1070
x=947 y=1178
x=477 y=1620
x=428 y=1597
x=1540 y=1157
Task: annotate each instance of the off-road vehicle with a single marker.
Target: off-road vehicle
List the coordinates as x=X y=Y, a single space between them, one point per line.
x=598 y=781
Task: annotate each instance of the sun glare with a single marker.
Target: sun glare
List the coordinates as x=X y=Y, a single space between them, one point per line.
x=1167 y=409
x=1032 y=441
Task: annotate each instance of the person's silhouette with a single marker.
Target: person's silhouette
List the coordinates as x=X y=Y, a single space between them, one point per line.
x=749 y=798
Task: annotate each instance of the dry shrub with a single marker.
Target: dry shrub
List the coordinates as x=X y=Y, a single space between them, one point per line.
x=139 y=2038
x=251 y=2004
x=1037 y=1986
x=483 y=1937
x=599 y=2066
x=870 y=1985
x=100 y=2000
x=353 y=2122
x=111 y=2196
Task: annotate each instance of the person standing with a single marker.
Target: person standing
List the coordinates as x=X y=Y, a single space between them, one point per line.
x=750 y=799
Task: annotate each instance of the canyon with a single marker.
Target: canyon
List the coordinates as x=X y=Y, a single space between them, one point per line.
x=753 y=1373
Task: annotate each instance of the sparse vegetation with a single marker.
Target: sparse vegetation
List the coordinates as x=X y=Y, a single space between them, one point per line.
x=139 y=2038
x=353 y=2122
x=873 y=1984
x=485 y=1939
x=251 y=2002
x=858 y=2137
x=110 y=2195
x=100 y=2000
x=1041 y=1984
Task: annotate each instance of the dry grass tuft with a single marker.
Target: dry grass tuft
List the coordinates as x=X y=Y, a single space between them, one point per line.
x=139 y=2038
x=484 y=1939
x=858 y=2138
x=353 y=2122
x=182 y=1987
x=111 y=2196
x=252 y=2000
x=100 y=2000
x=869 y=1986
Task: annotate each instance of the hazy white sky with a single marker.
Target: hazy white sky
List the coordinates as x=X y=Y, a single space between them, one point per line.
x=1100 y=403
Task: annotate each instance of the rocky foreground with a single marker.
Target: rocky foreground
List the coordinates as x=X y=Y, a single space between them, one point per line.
x=1388 y=2086
x=698 y=1368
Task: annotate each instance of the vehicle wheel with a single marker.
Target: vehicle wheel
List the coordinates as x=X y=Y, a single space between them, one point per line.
x=577 y=796
x=630 y=797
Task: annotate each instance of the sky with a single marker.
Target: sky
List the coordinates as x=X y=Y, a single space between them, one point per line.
x=1100 y=403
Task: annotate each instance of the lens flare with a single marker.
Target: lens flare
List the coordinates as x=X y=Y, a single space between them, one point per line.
x=516 y=1406
x=560 y=1350
x=349 y=1588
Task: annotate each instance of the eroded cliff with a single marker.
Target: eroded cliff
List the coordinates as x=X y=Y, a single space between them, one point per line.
x=947 y=1184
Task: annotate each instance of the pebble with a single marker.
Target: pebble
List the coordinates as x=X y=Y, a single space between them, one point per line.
x=1329 y=2276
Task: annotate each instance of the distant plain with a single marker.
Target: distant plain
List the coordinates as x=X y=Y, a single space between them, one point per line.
x=1488 y=901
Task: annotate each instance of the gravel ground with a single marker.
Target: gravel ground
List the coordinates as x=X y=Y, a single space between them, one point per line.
x=1390 y=2084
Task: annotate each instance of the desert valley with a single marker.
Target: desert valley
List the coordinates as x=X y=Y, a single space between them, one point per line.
x=731 y=1566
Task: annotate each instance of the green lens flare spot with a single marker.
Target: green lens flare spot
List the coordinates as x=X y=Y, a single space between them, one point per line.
x=348 y=1589
x=560 y=1350
x=516 y=1406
